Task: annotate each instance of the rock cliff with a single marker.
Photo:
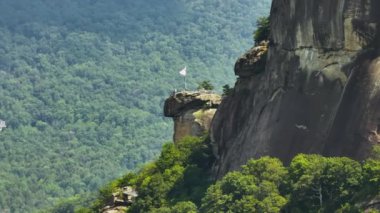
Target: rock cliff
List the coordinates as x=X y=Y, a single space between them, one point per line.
x=192 y=112
x=319 y=91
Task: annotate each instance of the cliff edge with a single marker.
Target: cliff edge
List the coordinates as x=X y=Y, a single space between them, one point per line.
x=318 y=93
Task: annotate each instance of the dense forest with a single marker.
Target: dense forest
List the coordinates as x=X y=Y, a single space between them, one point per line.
x=180 y=181
x=82 y=84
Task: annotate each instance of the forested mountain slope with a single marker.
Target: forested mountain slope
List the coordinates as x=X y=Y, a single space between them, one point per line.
x=82 y=84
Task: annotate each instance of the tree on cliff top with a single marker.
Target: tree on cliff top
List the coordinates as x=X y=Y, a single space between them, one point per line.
x=263 y=30
x=206 y=85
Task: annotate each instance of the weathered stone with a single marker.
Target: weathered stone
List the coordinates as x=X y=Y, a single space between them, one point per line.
x=179 y=102
x=372 y=205
x=129 y=194
x=319 y=92
x=192 y=112
x=253 y=62
x=121 y=199
x=117 y=209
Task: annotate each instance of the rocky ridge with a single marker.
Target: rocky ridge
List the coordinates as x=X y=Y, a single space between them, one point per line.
x=319 y=92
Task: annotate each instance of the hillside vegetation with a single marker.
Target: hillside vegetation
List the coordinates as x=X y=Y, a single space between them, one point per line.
x=180 y=181
x=82 y=84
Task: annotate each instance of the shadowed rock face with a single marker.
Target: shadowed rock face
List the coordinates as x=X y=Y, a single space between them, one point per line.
x=192 y=112
x=252 y=62
x=320 y=92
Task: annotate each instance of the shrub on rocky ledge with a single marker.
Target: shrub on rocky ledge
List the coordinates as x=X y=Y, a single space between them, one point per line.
x=263 y=30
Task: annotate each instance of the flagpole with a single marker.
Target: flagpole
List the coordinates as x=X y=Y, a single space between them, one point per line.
x=183 y=72
x=185 y=83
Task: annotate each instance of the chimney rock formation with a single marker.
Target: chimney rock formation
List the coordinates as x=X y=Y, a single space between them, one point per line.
x=192 y=112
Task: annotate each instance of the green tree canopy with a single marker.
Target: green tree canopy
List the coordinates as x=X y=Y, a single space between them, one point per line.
x=206 y=85
x=263 y=30
x=255 y=189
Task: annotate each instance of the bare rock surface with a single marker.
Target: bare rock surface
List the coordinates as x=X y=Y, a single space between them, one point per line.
x=120 y=200
x=192 y=112
x=253 y=61
x=319 y=93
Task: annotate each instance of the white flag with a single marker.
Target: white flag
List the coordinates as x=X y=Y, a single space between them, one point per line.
x=183 y=72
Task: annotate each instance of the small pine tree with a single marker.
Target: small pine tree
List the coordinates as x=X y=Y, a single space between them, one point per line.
x=263 y=30
x=227 y=90
x=206 y=85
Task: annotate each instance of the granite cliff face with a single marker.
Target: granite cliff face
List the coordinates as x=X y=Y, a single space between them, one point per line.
x=192 y=112
x=319 y=93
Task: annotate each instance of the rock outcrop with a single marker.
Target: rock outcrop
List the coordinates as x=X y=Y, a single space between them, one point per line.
x=121 y=200
x=319 y=93
x=192 y=112
x=252 y=62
